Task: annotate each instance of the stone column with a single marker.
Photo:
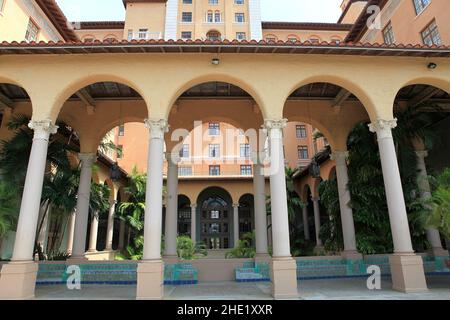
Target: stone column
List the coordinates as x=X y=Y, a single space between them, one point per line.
x=259 y=186
x=425 y=193
x=18 y=278
x=172 y=207
x=284 y=269
x=316 y=206
x=305 y=222
x=235 y=223
x=93 y=233
x=110 y=227
x=348 y=225
x=150 y=270
x=122 y=235
x=71 y=232
x=406 y=267
x=83 y=198
x=194 y=222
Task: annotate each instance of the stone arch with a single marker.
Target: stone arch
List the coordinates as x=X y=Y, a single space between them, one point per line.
x=218 y=189
x=77 y=84
x=440 y=83
x=315 y=188
x=218 y=77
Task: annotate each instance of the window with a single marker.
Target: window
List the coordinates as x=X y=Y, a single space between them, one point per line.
x=187 y=1
x=302 y=152
x=32 y=31
x=245 y=150
x=214 y=150
x=239 y=2
x=314 y=40
x=241 y=36
x=186 y=35
x=239 y=18
x=184 y=171
x=121 y=130
x=388 y=34
x=430 y=35
x=184 y=151
x=209 y=17
x=246 y=170
x=213 y=2
x=271 y=39
x=130 y=34
x=186 y=17
x=214 y=170
x=119 y=152
x=214 y=129
x=420 y=5
x=217 y=17
x=143 y=33
x=300 y=131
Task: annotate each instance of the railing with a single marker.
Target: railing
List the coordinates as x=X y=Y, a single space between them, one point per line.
x=145 y=35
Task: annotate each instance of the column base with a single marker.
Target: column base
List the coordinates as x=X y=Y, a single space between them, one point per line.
x=351 y=255
x=150 y=280
x=284 y=278
x=407 y=273
x=18 y=280
x=439 y=252
x=77 y=260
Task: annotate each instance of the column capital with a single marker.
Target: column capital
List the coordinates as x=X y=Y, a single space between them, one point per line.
x=42 y=128
x=422 y=154
x=157 y=127
x=87 y=159
x=193 y=206
x=315 y=198
x=340 y=157
x=383 y=128
x=235 y=205
x=279 y=124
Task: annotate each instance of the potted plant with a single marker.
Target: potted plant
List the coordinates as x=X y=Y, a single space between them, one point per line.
x=439 y=205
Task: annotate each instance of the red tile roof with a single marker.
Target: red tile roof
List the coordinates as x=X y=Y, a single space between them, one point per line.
x=226 y=46
x=58 y=19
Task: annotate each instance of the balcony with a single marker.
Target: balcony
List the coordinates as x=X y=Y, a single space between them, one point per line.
x=145 y=35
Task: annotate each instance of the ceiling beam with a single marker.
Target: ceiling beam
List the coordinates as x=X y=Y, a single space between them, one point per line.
x=86 y=97
x=341 y=97
x=5 y=102
x=423 y=96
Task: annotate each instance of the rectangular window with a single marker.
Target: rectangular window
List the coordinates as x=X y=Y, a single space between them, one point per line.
x=184 y=151
x=241 y=36
x=431 y=36
x=420 y=5
x=388 y=34
x=184 y=171
x=121 y=130
x=239 y=2
x=214 y=170
x=130 y=34
x=186 y=35
x=239 y=17
x=217 y=17
x=186 y=17
x=214 y=129
x=143 y=34
x=187 y=1
x=303 y=152
x=32 y=31
x=245 y=150
x=213 y=2
x=214 y=150
x=246 y=170
x=300 y=131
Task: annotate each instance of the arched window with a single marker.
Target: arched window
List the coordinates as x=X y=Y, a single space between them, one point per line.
x=271 y=37
x=213 y=35
x=217 y=16
x=209 y=17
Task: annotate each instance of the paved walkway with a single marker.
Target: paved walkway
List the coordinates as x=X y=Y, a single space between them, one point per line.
x=335 y=289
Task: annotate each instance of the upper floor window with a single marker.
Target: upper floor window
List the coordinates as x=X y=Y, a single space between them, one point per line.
x=184 y=151
x=214 y=150
x=217 y=17
x=388 y=34
x=241 y=36
x=420 y=5
x=239 y=17
x=270 y=38
x=245 y=150
x=185 y=35
x=185 y=171
x=186 y=17
x=213 y=2
x=32 y=31
x=246 y=170
x=214 y=129
x=130 y=34
x=430 y=35
x=303 y=152
x=314 y=40
x=300 y=131
x=214 y=170
x=143 y=33
x=210 y=17
x=239 y=2
x=187 y=1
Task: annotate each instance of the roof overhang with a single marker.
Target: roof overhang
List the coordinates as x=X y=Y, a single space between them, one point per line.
x=198 y=46
x=58 y=19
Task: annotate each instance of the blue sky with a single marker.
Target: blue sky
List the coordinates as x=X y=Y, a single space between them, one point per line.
x=272 y=10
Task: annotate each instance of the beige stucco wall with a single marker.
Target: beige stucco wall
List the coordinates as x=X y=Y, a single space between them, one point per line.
x=100 y=35
x=149 y=16
x=304 y=35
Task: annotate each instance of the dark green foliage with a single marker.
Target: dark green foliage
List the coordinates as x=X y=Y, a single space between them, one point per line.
x=243 y=248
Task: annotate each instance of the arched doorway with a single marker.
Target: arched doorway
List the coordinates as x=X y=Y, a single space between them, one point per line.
x=184 y=215
x=215 y=207
x=213 y=35
x=246 y=215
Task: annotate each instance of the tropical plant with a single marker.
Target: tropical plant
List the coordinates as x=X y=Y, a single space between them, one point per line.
x=243 y=248
x=9 y=206
x=188 y=250
x=437 y=207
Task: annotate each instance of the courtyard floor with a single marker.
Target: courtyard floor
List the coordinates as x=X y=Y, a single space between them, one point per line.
x=328 y=289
